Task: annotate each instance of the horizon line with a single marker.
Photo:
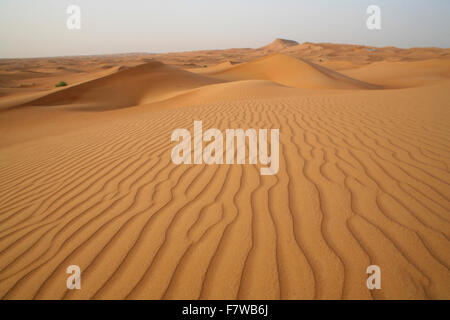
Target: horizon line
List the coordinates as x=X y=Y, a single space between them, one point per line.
x=220 y=49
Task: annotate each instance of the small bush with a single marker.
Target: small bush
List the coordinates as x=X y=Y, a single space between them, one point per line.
x=61 y=84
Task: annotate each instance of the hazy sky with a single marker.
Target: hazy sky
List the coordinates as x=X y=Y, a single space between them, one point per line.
x=33 y=28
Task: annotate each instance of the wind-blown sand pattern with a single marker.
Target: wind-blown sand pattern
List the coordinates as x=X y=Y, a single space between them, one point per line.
x=86 y=179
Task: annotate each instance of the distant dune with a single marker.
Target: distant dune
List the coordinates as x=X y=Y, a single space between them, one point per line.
x=291 y=72
x=279 y=44
x=328 y=54
x=403 y=74
x=86 y=176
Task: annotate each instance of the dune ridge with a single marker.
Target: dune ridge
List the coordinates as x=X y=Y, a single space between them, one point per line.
x=291 y=72
x=403 y=74
x=279 y=45
x=126 y=87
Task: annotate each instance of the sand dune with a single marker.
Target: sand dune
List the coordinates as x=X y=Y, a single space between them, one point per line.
x=24 y=91
x=364 y=179
x=278 y=45
x=127 y=87
x=321 y=53
x=403 y=74
x=216 y=68
x=291 y=72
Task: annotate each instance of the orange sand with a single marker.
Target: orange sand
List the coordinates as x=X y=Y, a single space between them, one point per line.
x=86 y=176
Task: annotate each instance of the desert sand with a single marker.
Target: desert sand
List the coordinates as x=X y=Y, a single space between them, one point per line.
x=86 y=176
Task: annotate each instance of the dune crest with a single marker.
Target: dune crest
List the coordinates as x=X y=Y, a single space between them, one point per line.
x=291 y=72
x=127 y=87
x=279 y=44
x=403 y=74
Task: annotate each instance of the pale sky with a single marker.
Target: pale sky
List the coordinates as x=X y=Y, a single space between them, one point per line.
x=37 y=28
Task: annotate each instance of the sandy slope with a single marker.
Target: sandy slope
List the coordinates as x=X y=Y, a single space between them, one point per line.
x=403 y=74
x=364 y=179
x=289 y=71
x=127 y=87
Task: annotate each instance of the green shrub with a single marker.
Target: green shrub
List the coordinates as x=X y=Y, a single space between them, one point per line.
x=61 y=84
